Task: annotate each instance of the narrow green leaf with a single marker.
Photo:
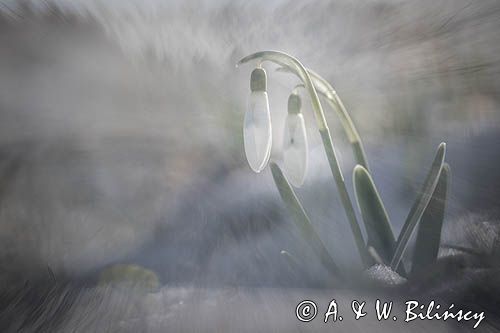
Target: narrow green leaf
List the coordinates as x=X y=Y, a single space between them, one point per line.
x=377 y=224
x=375 y=256
x=419 y=206
x=302 y=220
x=429 y=229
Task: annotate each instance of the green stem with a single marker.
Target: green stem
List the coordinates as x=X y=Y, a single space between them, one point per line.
x=298 y=69
x=326 y=90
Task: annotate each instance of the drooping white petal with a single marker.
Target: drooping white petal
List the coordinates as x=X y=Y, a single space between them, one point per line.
x=257 y=131
x=295 y=150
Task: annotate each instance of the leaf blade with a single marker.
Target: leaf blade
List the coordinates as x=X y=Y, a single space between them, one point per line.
x=374 y=214
x=302 y=220
x=419 y=205
x=429 y=230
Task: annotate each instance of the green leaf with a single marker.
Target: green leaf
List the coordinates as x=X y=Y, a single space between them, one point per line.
x=375 y=256
x=377 y=224
x=419 y=206
x=429 y=229
x=302 y=220
x=378 y=227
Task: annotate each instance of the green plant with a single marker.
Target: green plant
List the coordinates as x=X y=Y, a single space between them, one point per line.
x=381 y=245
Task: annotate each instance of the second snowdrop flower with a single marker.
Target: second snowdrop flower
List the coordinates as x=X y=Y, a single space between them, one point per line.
x=295 y=151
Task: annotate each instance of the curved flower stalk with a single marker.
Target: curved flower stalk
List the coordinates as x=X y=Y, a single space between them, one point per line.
x=325 y=89
x=298 y=69
x=257 y=130
x=295 y=150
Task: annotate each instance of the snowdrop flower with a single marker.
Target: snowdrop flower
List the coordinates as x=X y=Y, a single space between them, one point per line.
x=257 y=131
x=295 y=152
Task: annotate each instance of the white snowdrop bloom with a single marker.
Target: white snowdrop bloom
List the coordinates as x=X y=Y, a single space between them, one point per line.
x=257 y=131
x=295 y=151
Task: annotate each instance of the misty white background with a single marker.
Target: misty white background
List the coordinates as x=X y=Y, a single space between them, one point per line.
x=117 y=115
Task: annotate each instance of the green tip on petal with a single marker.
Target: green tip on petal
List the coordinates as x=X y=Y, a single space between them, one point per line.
x=294 y=104
x=258 y=80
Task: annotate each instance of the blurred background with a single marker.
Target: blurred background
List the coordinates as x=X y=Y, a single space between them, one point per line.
x=121 y=129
